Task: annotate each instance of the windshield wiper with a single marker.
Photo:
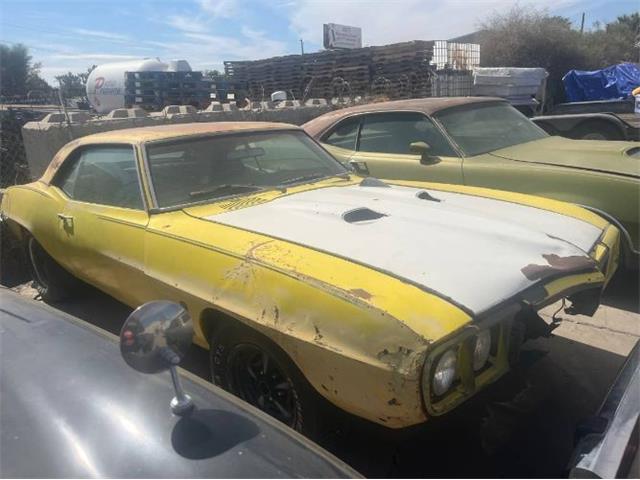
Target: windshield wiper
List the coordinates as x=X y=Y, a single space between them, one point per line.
x=226 y=186
x=302 y=178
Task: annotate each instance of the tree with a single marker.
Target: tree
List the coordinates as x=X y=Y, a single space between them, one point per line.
x=615 y=43
x=18 y=76
x=15 y=62
x=73 y=84
x=527 y=37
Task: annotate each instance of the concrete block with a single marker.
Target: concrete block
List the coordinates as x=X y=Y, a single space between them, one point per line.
x=341 y=102
x=79 y=117
x=179 y=110
x=127 y=113
x=315 y=102
x=288 y=104
x=214 y=107
x=54 y=118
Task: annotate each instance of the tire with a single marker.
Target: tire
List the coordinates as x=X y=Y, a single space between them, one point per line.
x=238 y=356
x=597 y=131
x=53 y=283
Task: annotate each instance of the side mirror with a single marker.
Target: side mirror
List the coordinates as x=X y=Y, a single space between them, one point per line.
x=156 y=337
x=423 y=149
x=360 y=168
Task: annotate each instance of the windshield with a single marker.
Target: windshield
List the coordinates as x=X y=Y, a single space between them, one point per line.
x=482 y=128
x=199 y=169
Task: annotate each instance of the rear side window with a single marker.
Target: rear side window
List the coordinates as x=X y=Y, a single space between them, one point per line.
x=345 y=134
x=395 y=132
x=105 y=175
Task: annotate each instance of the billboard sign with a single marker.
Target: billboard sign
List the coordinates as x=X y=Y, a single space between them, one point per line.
x=341 y=36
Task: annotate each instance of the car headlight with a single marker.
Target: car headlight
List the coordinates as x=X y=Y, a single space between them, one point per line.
x=445 y=372
x=482 y=349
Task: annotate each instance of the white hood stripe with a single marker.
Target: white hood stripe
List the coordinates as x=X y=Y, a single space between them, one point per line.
x=473 y=250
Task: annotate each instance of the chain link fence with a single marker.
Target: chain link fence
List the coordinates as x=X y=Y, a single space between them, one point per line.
x=14 y=170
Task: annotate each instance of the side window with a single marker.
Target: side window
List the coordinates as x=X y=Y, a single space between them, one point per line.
x=345 y=134
x=394 y=132
x=105 y=175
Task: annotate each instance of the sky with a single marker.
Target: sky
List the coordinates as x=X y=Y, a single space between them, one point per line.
x=71 y=35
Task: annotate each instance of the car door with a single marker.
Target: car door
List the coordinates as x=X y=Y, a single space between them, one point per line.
x=383 y=149
x=103 y=219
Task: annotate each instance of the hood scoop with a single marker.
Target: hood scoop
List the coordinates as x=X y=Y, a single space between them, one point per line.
x=424 y=195
x=374 y=182
x=362 y=214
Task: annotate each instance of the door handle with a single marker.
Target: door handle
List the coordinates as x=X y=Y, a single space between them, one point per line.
x=67 y=220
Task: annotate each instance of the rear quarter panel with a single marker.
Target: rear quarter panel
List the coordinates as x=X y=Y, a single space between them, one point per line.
x=34 y=207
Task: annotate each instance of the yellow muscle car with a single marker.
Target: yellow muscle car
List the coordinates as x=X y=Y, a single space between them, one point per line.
x=395 y=301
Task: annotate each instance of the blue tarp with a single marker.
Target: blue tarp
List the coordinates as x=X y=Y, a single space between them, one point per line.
x=616 y=81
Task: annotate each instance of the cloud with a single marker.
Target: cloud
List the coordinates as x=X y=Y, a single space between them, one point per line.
x=100 y=34
x=186 y=24
x=220 y=8
x=251 y=45
x=385 y=22
x=93 y=56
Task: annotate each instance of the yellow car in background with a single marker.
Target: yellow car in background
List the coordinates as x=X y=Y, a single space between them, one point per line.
x=395 y=301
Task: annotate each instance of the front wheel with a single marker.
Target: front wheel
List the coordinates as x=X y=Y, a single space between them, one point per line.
x=252 y=367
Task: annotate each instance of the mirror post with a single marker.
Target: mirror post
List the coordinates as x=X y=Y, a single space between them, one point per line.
x=181 y=404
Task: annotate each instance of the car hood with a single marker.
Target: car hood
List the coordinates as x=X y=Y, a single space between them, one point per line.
x=596 y=155
x=474 y=251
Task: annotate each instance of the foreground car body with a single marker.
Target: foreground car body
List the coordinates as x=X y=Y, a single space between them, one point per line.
x=485 y=142
x=393 y=302
x=608 y=442
x=92 y=416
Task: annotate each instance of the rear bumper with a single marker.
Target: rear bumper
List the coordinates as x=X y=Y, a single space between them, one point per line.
x=608 y=442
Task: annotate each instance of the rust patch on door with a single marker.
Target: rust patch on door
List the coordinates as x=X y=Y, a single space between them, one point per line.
x=557 y=264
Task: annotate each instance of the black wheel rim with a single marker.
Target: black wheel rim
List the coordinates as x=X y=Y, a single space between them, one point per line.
x=258 y=379
x=37 y=257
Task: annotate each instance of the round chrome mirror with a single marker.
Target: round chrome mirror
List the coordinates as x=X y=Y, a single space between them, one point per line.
x=156 y=336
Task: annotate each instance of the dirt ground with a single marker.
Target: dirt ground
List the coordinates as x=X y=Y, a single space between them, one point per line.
x=522 y=426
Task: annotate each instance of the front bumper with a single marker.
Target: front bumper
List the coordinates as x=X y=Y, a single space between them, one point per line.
x=583 y=289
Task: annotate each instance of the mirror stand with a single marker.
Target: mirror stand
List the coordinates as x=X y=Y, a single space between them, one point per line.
x=181 y=404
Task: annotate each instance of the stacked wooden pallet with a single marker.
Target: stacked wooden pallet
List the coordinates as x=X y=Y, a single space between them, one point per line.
x=155 y=90
x=397 y=70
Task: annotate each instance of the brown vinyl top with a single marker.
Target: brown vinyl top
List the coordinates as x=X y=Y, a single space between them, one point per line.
x=174 y=130
x=428 y=106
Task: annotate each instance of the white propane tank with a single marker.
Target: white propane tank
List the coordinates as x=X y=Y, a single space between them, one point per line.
x=105 y=84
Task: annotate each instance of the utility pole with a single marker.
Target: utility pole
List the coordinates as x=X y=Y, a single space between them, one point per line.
x=582 y=24
x=301 y=47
